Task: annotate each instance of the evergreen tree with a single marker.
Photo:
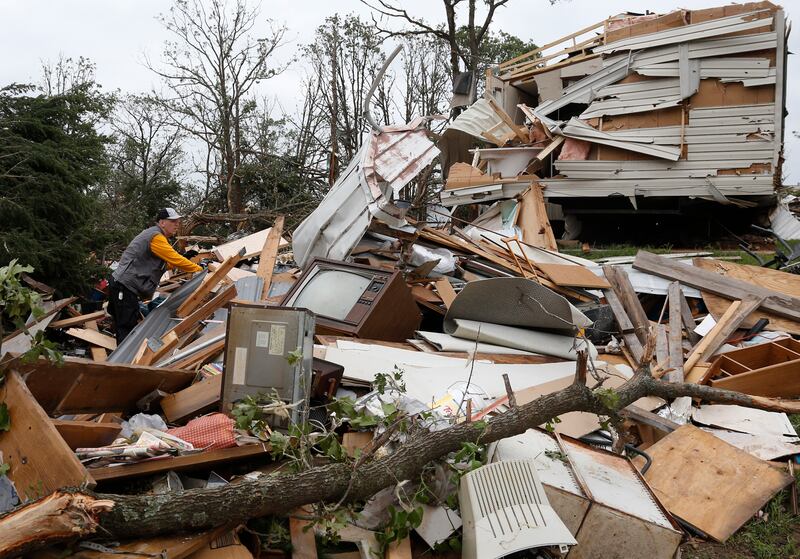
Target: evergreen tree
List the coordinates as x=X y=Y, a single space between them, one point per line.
x=51 y=156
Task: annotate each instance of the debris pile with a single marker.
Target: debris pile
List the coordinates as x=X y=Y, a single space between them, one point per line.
x=366 y=333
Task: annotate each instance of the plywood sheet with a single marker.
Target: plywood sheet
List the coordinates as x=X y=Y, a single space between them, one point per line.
x=571 y=275
x=86 y=434
x=710 y=484
x=40 y=460
x=775 y=280
x=532 y=220
x=193 y=400
x=628 y=536
x=84 y=386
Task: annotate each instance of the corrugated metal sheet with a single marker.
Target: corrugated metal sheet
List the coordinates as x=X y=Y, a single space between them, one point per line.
x=618 y=107
x=640 y=144
x=704 y=49
x=583 y=91
x=738 y=110
x=746 y=70
x=784 y=222
x=386 y=162
x=479 y=118
x=716 y=138
x=395 y=157
x=487 y=193
x=623 y=169
x=635 y=97
x=711 y=28
x=756 y=185
x=338 y=222
x=156 y=323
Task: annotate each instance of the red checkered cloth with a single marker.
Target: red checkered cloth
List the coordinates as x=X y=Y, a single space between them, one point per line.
x=208 y=432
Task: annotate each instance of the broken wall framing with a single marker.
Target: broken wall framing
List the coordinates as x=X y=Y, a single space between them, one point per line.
x=688 y=104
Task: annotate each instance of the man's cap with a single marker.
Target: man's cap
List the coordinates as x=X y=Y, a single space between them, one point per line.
x=168 y=213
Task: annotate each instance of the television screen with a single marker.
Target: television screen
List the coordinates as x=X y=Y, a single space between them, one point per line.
x=331 y=293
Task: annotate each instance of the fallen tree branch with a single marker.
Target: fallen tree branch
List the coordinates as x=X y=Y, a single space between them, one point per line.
x=279 y=494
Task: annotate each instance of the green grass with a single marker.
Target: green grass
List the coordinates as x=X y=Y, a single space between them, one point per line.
x=609 y=251
x=774 y=537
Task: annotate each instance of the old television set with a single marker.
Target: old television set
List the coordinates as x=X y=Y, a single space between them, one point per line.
x=261 y=356
x=356 y=300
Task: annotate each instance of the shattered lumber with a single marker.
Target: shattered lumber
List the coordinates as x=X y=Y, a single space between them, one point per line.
x=147 y=515
x=692 y=276
x=58 y=517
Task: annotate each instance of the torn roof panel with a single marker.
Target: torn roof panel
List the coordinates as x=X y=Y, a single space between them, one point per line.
x=704 y=30
x=386 y=162
x=480 y=118
x=396 y=157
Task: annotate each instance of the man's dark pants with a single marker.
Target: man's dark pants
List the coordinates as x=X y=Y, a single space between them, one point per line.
x=123 y=305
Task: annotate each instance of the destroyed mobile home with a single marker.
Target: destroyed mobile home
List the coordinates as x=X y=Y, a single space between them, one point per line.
x=395 y=386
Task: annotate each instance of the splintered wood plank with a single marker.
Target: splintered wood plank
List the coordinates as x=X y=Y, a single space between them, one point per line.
x=192 y=401
x=662 y=345
x=200 y=356
x=251 y=244
x=39 y=459
x=304 y=545
x=630 y=301
x=446 y=292
x=269 y=253
x=776 y=280
x=196 y=299
x=533 y=221
x=220 y=299
x=776 y=302
x=719 y=334
x=688 y=320
x=202 y=460
x=675 y=333
x=97 y=387
x=626 y=327
x=523 y=137
x=551 y=147
x=77 y=320
x=86 y=434
x=570 y=275
x=709 y=483
x=93 y=337
x=98 y=353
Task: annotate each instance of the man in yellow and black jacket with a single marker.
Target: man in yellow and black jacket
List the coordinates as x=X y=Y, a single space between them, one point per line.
x=140 y=269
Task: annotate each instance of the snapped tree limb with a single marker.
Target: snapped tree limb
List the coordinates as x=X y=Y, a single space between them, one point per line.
x=148 y=515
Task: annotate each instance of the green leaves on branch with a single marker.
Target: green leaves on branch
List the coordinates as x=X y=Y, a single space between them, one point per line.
x=608 y=397
x=16 y=300
x=401 y=523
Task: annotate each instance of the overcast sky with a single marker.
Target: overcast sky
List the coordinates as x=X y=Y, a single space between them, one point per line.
x=118 y=34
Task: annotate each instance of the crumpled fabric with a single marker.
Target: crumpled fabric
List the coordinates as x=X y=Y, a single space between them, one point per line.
x=210 y=432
